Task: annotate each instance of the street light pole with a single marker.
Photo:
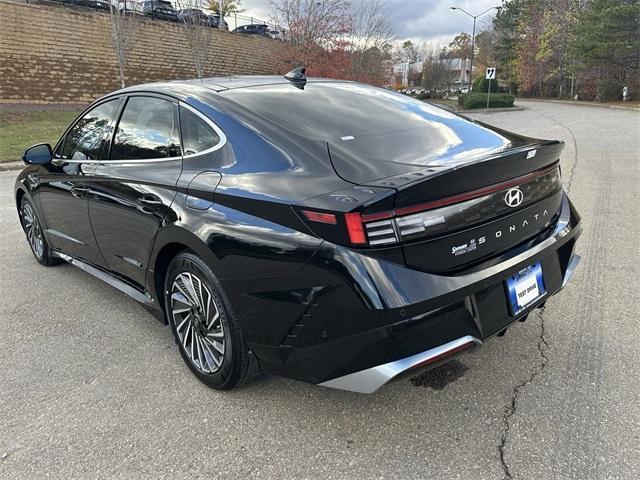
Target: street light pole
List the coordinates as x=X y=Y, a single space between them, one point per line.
x=473 y=50
x=473 y=36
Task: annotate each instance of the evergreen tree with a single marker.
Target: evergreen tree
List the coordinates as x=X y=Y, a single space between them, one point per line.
x=606 y=38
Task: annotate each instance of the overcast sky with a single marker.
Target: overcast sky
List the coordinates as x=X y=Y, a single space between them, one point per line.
x=418 y=20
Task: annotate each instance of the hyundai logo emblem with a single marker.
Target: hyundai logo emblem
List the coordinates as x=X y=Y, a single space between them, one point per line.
x=513 y=197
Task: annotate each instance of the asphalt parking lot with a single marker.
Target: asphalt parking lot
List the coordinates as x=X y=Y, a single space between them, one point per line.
x=91 y=386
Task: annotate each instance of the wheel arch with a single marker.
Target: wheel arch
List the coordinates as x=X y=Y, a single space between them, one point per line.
x=20 y=193
x=170 y=242
x=161 y=265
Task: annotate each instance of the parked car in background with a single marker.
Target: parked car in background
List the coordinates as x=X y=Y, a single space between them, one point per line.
x=98 y=4
x=214 y=21
x=194 y=15
x=255 y=29
x=131 y=6
x=161 y=9
x=276 y=34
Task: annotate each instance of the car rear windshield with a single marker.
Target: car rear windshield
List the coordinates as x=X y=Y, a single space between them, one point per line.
x=334 y=110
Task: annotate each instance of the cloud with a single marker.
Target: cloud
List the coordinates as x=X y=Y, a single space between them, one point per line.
x=257 y=8
x=426 y=21
x=420 y=21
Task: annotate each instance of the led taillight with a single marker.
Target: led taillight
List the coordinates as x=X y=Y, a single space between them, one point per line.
x=320 y=217
x=355 y=228
x=352 y=222
x=456 y=212
x=438 y=217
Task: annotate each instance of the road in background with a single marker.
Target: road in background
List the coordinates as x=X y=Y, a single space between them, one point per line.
x=91 y=386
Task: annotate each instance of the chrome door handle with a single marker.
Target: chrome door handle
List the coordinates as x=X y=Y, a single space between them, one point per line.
x=149 y=201
x=79 y=191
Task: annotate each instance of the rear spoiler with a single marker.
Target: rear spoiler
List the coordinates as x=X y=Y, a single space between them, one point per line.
x=433 y=183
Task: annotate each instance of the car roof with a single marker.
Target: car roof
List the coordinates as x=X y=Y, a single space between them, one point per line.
x=217 y=84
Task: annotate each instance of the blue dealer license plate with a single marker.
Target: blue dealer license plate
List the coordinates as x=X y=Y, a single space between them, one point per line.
x=525 y=287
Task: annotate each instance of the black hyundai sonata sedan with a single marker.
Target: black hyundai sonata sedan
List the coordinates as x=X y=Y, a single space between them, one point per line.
x=327 y=231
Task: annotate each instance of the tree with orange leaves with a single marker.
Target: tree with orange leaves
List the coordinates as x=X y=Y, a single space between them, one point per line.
x=335 y=38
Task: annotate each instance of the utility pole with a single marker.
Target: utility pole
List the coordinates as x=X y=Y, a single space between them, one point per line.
x=473 y=36
x=221 y=18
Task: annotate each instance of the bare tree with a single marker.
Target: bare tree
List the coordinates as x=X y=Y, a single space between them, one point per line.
x=315 y=28
x=196 y=26
x=370 y=27
x=337 y=38
x=370 y=38
x=124 y=27
x=437 y=71
x=312 y=21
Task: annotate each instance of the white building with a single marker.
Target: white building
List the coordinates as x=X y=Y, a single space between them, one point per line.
x=460 y=71
x=403 y=69
x=459 y=68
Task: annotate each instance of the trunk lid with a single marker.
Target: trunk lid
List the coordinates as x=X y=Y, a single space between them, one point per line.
x=458 y=156
x=440 y=140
x=450 y=209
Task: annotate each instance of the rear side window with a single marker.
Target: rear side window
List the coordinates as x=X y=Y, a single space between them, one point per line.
x=197 y=135
x=148 y=129
x=86 y=138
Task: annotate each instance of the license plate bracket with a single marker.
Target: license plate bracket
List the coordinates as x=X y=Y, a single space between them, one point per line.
x=525 y=288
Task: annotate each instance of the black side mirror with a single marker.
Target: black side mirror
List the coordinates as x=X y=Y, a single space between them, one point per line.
x=40 y=154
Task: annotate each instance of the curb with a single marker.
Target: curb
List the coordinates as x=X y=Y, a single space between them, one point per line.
x=581 y=104
x=477 y=110
x=493 y=110
x=10 y=166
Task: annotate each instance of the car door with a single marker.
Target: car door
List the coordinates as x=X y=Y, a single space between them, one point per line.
x=132 y=191
x=64 y=183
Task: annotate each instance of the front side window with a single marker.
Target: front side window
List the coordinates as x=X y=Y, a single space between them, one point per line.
x=86 y=138
x=148 y=129
x=197 y=135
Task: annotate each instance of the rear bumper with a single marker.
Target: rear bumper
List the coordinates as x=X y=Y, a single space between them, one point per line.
x=371 y=379
x=371 y=319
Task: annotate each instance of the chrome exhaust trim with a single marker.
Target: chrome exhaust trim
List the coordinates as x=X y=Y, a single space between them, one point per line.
x=573 y=263
x=371 y=379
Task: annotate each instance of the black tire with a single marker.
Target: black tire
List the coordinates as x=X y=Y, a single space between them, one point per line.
x=234 y=361
x=35 y=236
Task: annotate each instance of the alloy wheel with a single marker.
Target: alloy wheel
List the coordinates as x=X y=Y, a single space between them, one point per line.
x=33 y=230
x=198 y=322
